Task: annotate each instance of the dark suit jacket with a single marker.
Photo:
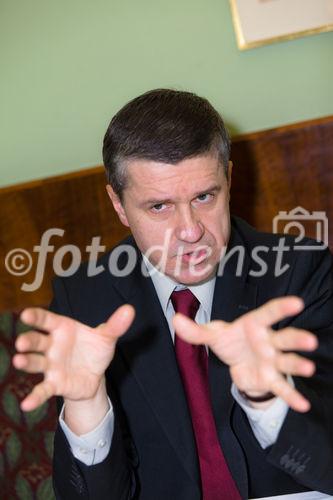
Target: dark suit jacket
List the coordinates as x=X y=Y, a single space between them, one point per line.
x=153 y=454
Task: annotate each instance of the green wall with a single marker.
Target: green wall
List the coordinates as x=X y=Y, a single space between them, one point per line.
x=67 y=65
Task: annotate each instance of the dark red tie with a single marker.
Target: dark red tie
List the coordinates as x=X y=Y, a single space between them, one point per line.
x=216 y=481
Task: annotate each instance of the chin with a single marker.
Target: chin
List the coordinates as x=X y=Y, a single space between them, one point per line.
x=188 y=278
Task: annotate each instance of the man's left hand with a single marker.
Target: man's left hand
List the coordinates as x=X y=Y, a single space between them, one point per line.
x=258 y=357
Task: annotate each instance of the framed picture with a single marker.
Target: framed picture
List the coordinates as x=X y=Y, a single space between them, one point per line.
x=259 y=22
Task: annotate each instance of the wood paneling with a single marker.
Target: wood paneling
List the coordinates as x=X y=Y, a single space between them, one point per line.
x=77 y=203
x=281 y=169
x=274 y=170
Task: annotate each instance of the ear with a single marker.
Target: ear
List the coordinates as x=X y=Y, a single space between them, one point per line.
x=117 y=205
x=230 y=165
x=228 y=178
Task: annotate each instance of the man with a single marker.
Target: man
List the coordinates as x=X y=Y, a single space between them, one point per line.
x=159 y=406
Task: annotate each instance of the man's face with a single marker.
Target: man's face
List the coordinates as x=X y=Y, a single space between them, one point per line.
x=178 y=214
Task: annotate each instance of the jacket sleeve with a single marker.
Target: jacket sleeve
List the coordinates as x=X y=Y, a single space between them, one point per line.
x=111 y=479
x=304 y=448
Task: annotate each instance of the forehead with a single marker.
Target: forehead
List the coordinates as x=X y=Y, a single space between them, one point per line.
x=192 y=174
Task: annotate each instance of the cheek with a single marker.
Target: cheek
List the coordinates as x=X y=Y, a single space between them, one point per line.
x=218 y=229
x=151 y=235
x=217 y=223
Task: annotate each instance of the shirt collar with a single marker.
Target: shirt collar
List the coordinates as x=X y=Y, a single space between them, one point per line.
x=164 y=286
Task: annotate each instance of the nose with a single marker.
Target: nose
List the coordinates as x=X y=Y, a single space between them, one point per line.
x=189 y=228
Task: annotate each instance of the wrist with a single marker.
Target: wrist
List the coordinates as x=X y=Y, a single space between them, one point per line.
x=82 y=416
x=257 y=397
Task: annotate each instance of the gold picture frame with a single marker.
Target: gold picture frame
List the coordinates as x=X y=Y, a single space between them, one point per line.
x=261 y=22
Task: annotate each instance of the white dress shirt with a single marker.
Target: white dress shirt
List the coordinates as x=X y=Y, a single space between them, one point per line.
x=93 y=447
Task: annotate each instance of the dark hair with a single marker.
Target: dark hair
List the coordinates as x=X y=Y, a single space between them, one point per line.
x=162 y=125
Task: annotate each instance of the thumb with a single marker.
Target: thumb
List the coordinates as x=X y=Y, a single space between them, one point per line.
x=190 y=331
x=119 y=322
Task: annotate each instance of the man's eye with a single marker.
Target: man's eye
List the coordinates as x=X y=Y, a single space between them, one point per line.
x=204 y=197
x=158 y=207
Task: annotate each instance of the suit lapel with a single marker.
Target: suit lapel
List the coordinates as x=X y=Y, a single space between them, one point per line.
x=233 y=296
x=149 y=352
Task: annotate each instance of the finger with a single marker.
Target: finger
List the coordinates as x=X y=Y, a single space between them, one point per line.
x=40 y=393
x=275 y=310
x=119 y=322
x=32 y=341
x=295 y=365
x=290 y=395
x=30 y=363
x=43 y=319
x=193 y=333
x=294 y=338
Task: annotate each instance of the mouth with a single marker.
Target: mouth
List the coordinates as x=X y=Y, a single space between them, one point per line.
x=195 y=257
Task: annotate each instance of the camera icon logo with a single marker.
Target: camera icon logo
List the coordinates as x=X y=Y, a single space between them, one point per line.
x=299 y=219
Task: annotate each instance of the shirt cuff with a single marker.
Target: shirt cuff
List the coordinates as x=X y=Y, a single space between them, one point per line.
x=93 y=447
x=265 y=424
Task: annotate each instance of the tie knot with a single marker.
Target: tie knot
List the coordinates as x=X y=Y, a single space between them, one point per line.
x=185 y=302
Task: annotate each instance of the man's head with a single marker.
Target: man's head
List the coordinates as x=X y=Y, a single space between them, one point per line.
x=162 y=125
x=166 y=155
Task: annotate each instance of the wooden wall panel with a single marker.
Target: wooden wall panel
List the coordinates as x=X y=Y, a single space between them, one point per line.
x=77 y=203
x=281 y=169
x=274 y=170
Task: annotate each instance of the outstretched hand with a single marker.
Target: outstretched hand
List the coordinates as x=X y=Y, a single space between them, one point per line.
x=258 y=356
x=72 y=356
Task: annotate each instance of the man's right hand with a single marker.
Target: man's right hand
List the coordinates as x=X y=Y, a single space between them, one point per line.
x=72 y=356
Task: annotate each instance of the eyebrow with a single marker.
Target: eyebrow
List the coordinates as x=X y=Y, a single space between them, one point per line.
x=158 y=201
x=214 y=187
